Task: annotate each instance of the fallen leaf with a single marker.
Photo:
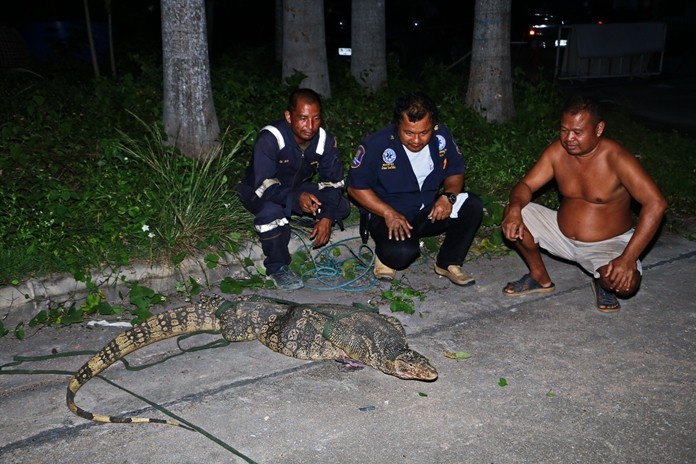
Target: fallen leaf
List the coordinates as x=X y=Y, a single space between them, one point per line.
x=457 y=355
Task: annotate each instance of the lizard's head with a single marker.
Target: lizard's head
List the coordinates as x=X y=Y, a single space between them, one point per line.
x=411 y=365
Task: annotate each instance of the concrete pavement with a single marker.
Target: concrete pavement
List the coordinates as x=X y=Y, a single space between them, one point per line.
x=582 y=386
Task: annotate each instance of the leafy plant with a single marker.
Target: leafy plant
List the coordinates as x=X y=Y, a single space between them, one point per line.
x=237 y=286
x=401 y=297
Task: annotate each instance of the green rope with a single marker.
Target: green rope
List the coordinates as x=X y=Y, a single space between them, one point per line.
x=186 y=424
x=19 y=360
x=332 y=270
x=329 y=273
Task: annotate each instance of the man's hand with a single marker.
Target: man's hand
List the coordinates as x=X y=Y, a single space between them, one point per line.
x=621 y=275
x=309 y=203
x=398 y=226
x=441 y=209
x=512 y=225
x=321 y=233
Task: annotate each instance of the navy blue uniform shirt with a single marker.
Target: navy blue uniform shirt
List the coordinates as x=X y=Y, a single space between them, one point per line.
x=279 y=167
x=381 y=164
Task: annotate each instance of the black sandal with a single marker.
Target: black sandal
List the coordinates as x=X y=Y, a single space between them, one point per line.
x=605 y=300
x=527 y=285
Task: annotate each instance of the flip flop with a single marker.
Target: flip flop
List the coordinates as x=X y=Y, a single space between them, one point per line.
x=605 y=300
x=527 y=285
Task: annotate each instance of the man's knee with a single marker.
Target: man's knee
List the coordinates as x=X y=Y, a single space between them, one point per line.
x=621 y=292
x=399 y=255
x=527 y=242
x=343 y=209
x=269 y=213
x=472 y=207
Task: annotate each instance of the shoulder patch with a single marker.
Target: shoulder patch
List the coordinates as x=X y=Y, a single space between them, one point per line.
x=441 y=142
x=357 y=160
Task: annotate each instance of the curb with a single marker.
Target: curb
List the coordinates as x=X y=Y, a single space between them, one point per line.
x=26 y=300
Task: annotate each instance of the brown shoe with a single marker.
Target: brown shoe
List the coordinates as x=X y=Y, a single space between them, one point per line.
x=455 y=274
x=382 y=271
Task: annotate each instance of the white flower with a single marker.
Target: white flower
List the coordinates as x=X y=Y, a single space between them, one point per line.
x=151 y=235
x=146 y=227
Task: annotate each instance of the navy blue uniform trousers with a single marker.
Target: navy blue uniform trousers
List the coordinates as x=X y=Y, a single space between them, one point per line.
x=459 y=235
x=274 y=242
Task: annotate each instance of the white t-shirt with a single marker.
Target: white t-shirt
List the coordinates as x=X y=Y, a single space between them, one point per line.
x=421 y=163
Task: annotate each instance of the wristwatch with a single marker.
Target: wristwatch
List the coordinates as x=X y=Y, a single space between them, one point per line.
x=451 y=197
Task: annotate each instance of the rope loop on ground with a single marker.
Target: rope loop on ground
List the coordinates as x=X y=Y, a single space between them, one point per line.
x=337 y=266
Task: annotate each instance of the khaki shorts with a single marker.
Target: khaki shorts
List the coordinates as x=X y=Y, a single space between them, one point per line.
x=542 y=222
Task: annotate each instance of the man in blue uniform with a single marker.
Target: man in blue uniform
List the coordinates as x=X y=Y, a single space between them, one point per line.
x=409 y=178
x=280 y=181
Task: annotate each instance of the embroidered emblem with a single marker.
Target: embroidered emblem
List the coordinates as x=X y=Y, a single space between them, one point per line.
x=357 y=160
x=441 y=143
x=389 y=156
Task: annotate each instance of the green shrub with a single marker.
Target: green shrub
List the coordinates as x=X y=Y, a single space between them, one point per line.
x=82 y=177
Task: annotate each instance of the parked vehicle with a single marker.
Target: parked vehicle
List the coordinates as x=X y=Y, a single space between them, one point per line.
x=543 y=30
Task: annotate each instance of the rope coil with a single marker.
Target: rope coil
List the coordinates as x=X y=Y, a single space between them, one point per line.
x=337 y=266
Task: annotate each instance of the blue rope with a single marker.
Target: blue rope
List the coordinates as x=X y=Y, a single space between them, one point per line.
x=328 y=271
x=330 y=267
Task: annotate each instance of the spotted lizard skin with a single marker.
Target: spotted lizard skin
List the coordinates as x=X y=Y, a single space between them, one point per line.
x=302 y=331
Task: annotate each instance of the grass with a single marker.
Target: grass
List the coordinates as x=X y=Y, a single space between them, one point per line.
x=89 y=183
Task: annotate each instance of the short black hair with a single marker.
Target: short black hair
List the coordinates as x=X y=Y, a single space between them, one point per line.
x=416 y=105
x=306 y=95
x=578 y=103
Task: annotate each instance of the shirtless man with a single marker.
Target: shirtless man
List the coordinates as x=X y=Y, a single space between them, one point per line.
x=597 y=179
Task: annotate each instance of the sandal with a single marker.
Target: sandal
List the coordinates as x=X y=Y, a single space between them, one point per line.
x=525 y=286
x=605 y=300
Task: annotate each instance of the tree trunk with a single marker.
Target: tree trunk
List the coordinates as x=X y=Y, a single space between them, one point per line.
x=190 y=121
x=278 y=30
x=490 y=78
x=368 y=61
x=90 y=39
x=304 y=44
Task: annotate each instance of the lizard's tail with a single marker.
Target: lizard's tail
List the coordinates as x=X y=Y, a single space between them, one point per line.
x=169 y=324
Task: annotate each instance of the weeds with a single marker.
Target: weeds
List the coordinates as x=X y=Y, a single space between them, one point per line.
x=401 y=297
x=191 y=202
